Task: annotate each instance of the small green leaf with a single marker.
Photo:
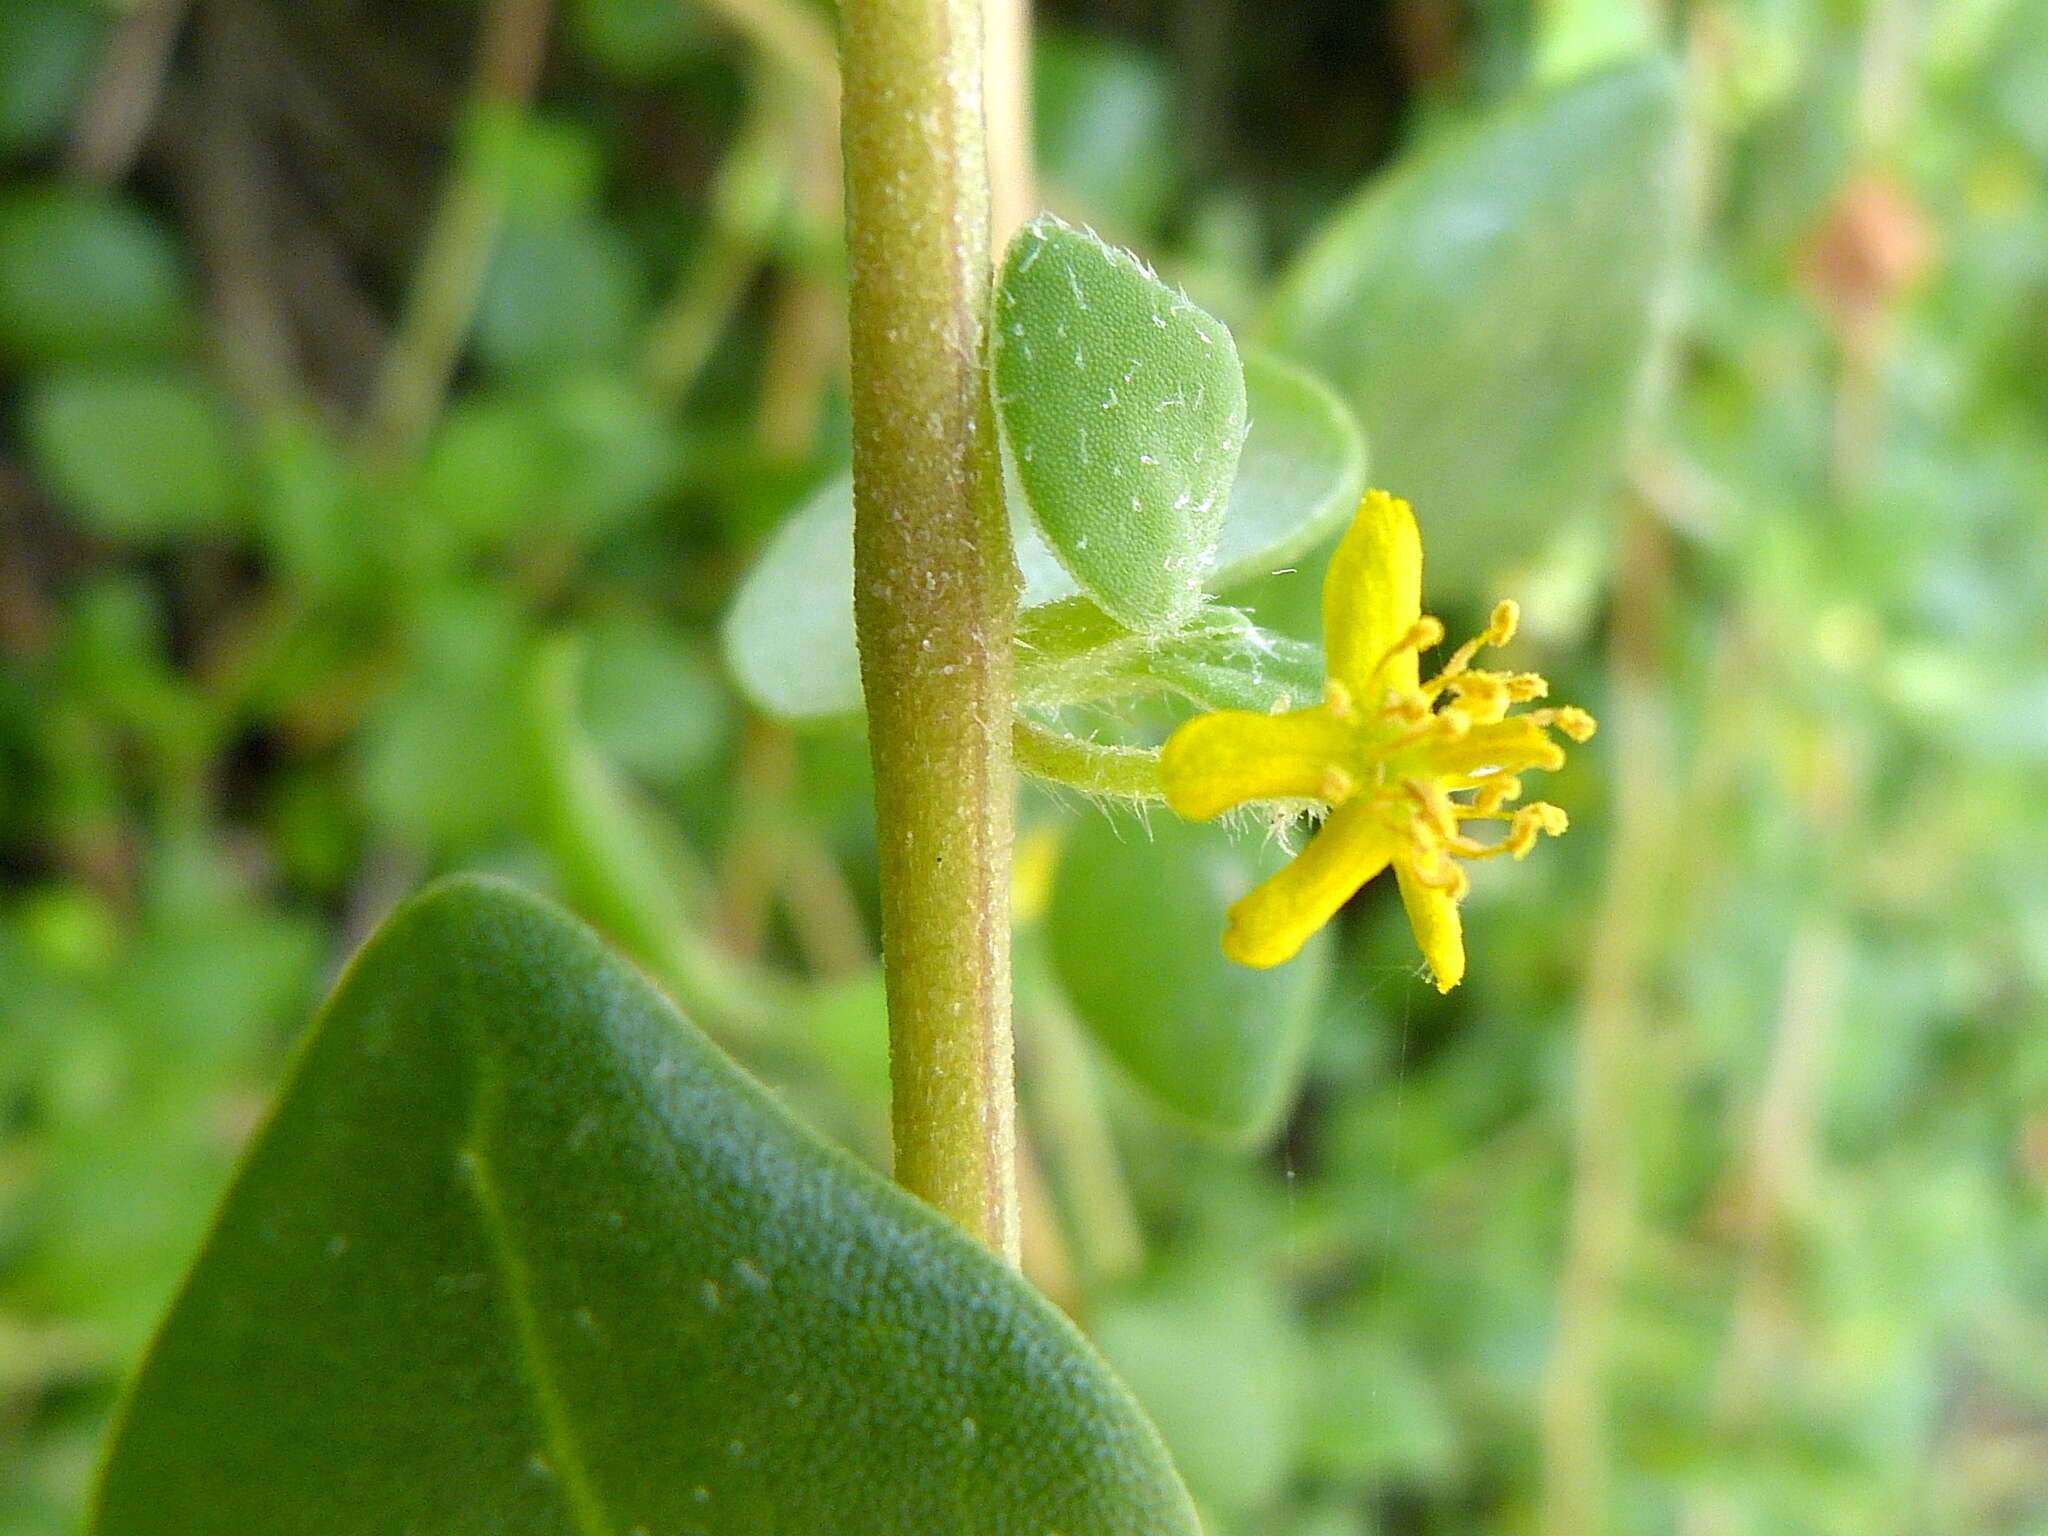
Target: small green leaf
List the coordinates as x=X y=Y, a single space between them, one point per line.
x=313 y=506
x=1218 y=1043
x=47 y=48
x=1302 y=472
x=138 y=454
x=1122 y=407
x=439 y=759
x=561 y=292
x=522 y=1252
x=654 y=704
x=637 y=40
x=789 y=635
x=1488 y=308
x=86 y=278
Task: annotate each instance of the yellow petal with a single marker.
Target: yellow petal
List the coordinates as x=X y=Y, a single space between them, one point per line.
x=1271 y=924
x=1433 y=914
x=1217 y=762
x=1372 y=598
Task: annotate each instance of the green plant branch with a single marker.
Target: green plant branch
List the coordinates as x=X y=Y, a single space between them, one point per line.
x=1130 y=773
x=611 y=871
x=1071 y=1127
x=1574 y=1424
x=754 y=182
x=457 y=253
x=934 y=595
x=790 y=34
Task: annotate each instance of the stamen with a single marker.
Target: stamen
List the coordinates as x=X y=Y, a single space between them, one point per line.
x=1507 y=615
x=1422 y=634
x=1576 y=723
x=1461 y=658
x=1406 y=708
x=1483 y=696
x=1443 y=874
x=1495 y=794
x=1500 y=629
x=1435 y=806
x=1531 y=821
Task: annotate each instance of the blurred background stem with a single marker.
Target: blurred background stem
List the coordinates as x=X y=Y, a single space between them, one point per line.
x=450 y=275
x=934 y=595
x=1610 y=1091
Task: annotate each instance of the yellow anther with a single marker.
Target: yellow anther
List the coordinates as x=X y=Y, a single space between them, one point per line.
x=1434 y=805
x=1482 y=697
x=1495 y=793
x=1500 y=629
x=1530 y=822
x=1405 y=708
x=1337 y=698
x=1338 y=785
x=1576 y=723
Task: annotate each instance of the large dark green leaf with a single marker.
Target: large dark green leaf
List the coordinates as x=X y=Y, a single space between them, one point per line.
x=522 y=1253
x=1488 y=308
x=1218 y=1043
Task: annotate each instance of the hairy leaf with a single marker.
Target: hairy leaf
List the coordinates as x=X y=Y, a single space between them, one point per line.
x=1122 y=407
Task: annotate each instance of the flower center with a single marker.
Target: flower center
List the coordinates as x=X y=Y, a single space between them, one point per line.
x=1449 y=753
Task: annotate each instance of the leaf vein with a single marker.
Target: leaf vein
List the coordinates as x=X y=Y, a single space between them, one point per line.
x=579 y=1491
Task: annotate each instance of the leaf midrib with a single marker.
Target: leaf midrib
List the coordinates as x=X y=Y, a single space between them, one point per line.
x=536 y=1370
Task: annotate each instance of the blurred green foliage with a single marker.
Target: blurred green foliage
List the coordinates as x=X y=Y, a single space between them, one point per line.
x=1715 y=1201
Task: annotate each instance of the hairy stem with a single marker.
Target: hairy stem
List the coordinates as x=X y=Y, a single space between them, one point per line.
x=934 y=594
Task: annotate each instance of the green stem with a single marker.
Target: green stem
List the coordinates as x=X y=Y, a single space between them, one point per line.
x=753 y=184
x=1072 y=1130
x=1128 y=773
x=1612 y=1087
x=934 y=594
x=456 y=257
x=612 y=872
x=791 y=34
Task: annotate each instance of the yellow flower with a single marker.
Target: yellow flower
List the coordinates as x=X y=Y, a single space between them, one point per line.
x=1402 y=764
